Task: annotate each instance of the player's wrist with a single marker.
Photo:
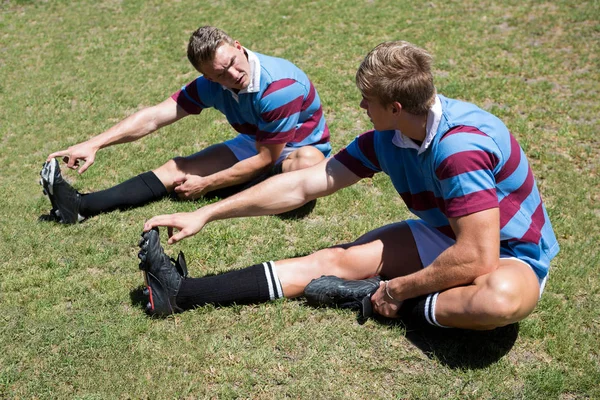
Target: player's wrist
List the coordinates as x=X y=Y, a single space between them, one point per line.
x=208 y=213
x=389 y=293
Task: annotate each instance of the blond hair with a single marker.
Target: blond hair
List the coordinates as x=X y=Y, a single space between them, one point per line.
x=398 y=71
x=203 y=44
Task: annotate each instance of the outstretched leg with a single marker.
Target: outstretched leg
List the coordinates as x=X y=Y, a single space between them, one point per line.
x=499 y=298
x=142 y=189
x=373 y=253
x=70 y=206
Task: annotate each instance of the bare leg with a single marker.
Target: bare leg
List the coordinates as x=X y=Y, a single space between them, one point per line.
x=213 y=159
x=389 y=251
x=496 y=299
x=499 y=298
x=219 y=157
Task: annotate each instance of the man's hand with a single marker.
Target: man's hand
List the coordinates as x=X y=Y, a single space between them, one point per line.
x=71 y=156
x=188 y=224
x=384 y=304
x=191 y=187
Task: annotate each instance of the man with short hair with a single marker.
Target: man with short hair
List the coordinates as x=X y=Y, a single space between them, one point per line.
x=269 y=101
x=477 y=257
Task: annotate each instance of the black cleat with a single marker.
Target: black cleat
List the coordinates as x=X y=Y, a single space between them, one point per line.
x=331 y=291
x=65 y=200
x=162 y=275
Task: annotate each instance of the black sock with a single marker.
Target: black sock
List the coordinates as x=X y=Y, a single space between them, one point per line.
x=421 y=310
x=255 y=284
x=135 y=192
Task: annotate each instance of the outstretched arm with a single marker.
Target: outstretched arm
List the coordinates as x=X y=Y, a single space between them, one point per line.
x=130 y=129
x=275 y=195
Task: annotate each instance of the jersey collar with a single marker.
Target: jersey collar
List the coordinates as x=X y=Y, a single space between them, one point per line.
x=433 y=121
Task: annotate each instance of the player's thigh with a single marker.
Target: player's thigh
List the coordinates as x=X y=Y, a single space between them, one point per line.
x=213 y=159
x=389 y=251
x=513 y=287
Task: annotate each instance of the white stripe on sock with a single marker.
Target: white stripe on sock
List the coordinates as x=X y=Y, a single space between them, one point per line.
x=276 y=279
x=268 y=276
x=433 y=301
x=427 y=317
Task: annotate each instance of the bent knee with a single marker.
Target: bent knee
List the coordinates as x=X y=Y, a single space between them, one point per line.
x=505 y=309
x=306 y=157
x=507 y=302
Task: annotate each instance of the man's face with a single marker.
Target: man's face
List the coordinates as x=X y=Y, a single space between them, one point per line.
x=381 y=116
x=229 y=67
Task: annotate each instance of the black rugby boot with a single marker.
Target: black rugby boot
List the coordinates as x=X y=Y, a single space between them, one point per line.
x=65 y=200
x=162 y=275
x=331 y=291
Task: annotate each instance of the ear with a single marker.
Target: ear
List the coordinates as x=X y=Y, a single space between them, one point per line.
x=237 y=45
x=396 y=107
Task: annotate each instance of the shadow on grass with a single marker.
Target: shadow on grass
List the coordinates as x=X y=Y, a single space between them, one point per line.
x=459 y=348
x=138 y=298
x=455 y=348
x=299 y=212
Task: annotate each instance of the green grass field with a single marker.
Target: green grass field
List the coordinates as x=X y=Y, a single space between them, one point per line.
x=71 y=321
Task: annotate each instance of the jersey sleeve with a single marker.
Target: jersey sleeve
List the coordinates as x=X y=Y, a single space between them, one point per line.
x=195 y=96
x=465 y=165
x=279 y=107
x=360 y=156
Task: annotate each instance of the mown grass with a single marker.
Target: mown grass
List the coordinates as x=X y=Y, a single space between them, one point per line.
x=72 y=324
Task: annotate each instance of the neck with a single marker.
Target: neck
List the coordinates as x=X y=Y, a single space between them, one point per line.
x=413 y=126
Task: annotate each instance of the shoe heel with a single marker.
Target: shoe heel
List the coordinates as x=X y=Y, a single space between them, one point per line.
x=367 y=307
x=149 y=289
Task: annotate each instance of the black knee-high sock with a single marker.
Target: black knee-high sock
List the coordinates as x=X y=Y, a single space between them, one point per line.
x=135 y=192
x=255 y=284
x=421 y=310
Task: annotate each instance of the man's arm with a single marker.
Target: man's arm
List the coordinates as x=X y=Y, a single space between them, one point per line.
x=193 y=187
x=130 y=129
x=275 y=195
x=475 y=253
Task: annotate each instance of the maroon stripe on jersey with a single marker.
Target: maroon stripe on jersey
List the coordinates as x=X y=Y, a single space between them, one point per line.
x=462 y=129
x=447 y=230
x=191 y=89
x=310 y=98
x=185 y=103
x=366 y=144
x=284 y=111
x=308 y=126
x=534 y=233
x=513 y=161
x=423 y=201
x=471 y=203
x=353 y=164
x=511 y=204
x=324 y=136
x=275 y=137
x=466 y=161
x=277 y=85
x=248 y=129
